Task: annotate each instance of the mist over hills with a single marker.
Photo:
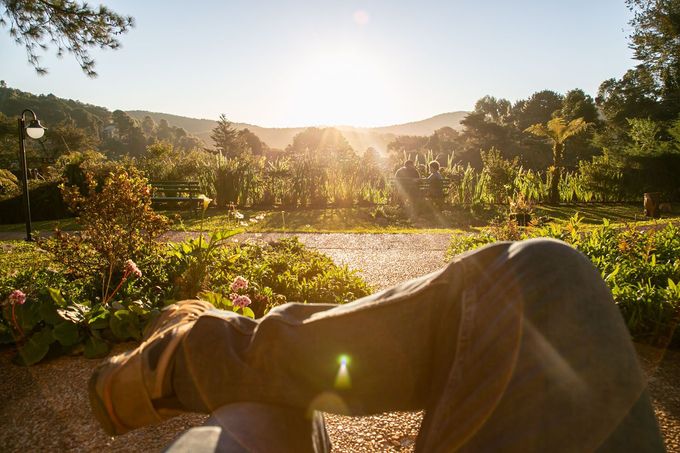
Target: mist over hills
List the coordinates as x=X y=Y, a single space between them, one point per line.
x=359 y=138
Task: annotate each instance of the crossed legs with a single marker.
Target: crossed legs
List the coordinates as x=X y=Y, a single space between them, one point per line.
x=514 y=347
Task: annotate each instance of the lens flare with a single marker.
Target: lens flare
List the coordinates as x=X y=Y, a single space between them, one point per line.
x=342 y=379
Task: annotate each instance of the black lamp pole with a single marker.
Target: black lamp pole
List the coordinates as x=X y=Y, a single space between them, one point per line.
x=34 y=124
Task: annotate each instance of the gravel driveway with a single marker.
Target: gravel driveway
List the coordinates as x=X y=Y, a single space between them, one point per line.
x=45 y=407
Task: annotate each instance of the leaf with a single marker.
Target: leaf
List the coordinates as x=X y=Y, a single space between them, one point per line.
x=100 y=320
x=124 y=325
x=56 y=296
x=71 y=314
x=138 y=308
x=248 y=312
x=613 y=273
x=96 y=347
x=67 y=333
x=48 y=312
x=36 y=347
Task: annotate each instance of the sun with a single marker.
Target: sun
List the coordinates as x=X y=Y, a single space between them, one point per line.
x=341 y=87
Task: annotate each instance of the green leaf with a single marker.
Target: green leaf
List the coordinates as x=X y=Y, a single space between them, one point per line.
x=48 y=312
x=95 y=348
x=138 y=308
x=67 y=333
x=28 y=316
x=124 y=325
x=36 y=347
x=6 y=335
x=613 y=273
x=71 y=314
x=100 y=320
x=56 y=296
x=248 y=312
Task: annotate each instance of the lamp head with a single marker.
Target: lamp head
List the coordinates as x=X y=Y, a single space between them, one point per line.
x=35 y=130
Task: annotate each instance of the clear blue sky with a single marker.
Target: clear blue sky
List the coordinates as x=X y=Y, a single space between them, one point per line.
x=363 y=63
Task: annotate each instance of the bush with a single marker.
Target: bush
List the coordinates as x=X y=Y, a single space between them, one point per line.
x=46 y=204
x=642 y=269
x=9 y=184
x=77 y=295
x=117 y=223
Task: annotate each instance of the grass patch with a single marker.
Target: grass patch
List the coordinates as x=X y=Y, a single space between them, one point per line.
x=346 y=220
x=593 y=213
x=18 y=256
x=68 y=224
x=382 y=219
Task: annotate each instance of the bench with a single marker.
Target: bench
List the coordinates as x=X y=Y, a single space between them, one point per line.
x=416 y=190
x=176 y=192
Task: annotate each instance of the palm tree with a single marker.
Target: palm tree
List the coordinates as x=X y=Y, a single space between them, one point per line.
x=558 y=131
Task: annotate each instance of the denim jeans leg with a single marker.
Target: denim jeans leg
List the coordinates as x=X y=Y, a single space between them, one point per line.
x=514 y=347
x=255 y=428
x=543 y=362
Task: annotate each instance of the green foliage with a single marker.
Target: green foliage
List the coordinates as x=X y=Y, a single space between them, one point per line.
x=9 y=184
x=69 y=25
x=117 y=222
x=642 y=268
x=501 y=175
x=284 y=271
x=71 y=306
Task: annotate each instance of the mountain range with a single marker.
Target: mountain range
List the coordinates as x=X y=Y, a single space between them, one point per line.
x=359 y=138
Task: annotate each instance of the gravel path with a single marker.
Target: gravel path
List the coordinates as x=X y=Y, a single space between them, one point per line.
x=45 y=407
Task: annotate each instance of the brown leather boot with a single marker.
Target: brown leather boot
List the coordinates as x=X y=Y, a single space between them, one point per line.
x=134 y=389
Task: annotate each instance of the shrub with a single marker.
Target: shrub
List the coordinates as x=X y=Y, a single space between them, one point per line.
x=642 y=269
x=63 y=313
x=9 y=184
x=46 y=204
x=117 y=223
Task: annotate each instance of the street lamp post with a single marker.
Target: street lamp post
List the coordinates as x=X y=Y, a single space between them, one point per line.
x=34 y=130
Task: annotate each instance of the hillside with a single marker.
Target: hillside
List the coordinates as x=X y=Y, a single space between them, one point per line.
x=53 y=110
x=359 y=138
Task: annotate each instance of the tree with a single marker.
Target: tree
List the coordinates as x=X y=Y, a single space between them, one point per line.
x=577 y=104
x=71 y=26
x=539 y=108
x=149 y=126
x=558 y=130
x=226 y=138
x=495 y=110
x=326 y=140
x=656 y=44
x=251 y=141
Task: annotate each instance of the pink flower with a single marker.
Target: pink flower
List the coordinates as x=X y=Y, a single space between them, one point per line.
x=233 y=296
x=132 y=269
x=239 y=283
x=242 y=301
x=17 y=297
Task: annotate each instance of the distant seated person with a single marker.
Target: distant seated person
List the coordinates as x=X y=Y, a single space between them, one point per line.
x=435 y=181
x=409 y=170
x=407 y=182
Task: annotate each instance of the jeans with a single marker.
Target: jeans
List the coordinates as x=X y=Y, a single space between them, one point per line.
x=513 y=347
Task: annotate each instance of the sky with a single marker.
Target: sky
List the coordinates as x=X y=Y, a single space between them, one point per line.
x=361 y=63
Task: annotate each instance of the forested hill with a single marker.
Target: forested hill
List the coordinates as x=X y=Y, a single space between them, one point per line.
x=358 y=138
x=53 y=110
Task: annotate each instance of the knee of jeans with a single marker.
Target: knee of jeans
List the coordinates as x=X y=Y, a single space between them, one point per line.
x=549 y=255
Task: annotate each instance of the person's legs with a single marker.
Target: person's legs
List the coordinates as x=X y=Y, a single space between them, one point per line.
x=541 y=359
x=512 y=347
x=544 y=361
x=254 y=428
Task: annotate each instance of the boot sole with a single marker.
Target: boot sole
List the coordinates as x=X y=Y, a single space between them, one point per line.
x=97 y=403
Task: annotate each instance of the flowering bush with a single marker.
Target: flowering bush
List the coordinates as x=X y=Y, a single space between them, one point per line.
x=642 y=269
x=237 y=300
x=117 y=222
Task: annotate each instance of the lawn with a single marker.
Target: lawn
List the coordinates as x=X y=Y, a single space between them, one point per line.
x=382 y=219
